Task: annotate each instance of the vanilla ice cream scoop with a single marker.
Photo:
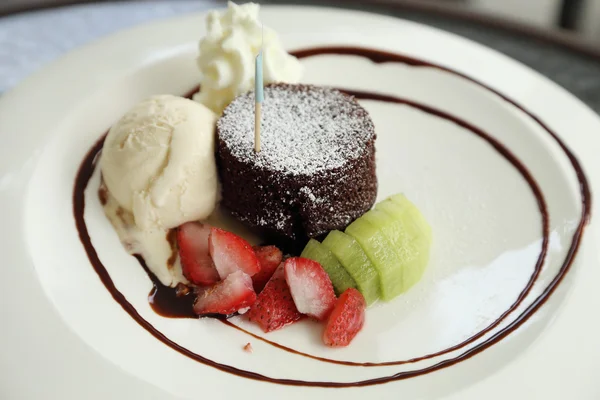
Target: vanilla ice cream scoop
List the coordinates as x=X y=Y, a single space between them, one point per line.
x=158 y=162
x=227 y=52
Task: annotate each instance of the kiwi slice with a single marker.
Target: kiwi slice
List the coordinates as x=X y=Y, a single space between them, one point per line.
x=339 y=276
x=355 y=261
x=398 y=205
x=409 y=233
x=381 y=253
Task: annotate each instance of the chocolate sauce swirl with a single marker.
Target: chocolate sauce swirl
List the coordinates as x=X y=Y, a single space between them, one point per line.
x=165 y=301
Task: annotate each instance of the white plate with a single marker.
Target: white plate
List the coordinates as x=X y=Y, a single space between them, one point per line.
x=64 y=336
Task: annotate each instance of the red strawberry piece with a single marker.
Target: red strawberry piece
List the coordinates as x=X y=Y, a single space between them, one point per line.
x=346 y=319
x=235 y=293
x=269 y=258
x=310 y=286
x=198 y=267
x=274 y=307
x=231 y=253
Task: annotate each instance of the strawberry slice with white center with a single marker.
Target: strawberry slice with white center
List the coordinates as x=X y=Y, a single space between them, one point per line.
x=269 y=257
x=310 y=286
x=233 y=294
x=231 y=253
x=196 y=263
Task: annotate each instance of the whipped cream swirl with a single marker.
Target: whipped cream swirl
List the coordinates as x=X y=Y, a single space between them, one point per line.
x=227 y=54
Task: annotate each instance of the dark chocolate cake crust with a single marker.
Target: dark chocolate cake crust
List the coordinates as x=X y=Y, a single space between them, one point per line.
x=316 y=168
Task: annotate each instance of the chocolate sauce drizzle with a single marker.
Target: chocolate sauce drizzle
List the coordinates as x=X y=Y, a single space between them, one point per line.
x=165 y=301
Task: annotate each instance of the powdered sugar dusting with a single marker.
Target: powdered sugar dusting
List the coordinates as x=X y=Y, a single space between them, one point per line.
x=311 y=196
x=305 y=129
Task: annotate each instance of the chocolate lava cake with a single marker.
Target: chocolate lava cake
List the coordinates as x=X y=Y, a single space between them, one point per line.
x=316 y=168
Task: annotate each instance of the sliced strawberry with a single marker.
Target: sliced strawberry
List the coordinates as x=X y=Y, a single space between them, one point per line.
x=274 y=307
x=231 y=253
x=198 y=267
x=346 y=319
x=310 y=286
x=269 y=258
x=226 y=297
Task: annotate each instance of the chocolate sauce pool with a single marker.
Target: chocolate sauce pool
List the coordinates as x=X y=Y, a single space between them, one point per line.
x=165 y=301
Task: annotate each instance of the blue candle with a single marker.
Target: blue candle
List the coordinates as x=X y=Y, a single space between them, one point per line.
x=259 y=96
x=258 y=78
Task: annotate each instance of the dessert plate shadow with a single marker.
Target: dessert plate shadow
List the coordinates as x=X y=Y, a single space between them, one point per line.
x=500 y=161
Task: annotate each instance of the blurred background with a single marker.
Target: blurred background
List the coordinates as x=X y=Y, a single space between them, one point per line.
x=580 y=16
x=558 y=38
